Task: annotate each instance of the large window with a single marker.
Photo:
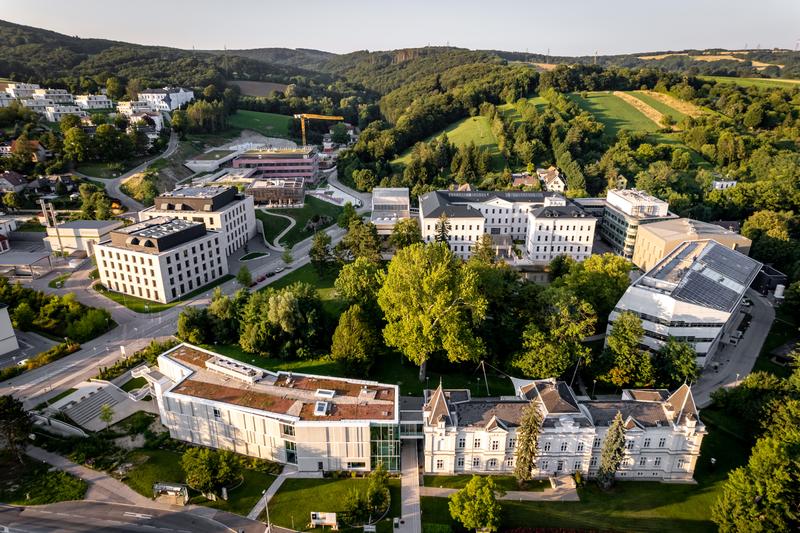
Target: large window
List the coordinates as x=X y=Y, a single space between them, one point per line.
x=287 y=430
x=291 y=451
x=385 y=446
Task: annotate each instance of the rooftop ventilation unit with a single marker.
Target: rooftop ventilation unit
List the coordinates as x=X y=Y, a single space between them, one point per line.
x=325 y=393
x=321 y=408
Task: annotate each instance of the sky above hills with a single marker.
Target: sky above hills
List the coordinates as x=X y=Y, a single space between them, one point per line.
x=565 y=27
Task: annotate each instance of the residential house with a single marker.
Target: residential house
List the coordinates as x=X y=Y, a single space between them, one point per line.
x=11 y=181
x=551 y=179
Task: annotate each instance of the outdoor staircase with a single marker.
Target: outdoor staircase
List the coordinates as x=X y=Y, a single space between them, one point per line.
x=88 y=407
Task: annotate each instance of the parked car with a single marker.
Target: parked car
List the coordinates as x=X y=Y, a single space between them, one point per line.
x=270 y=274
x=279 y=270
x=734 y=342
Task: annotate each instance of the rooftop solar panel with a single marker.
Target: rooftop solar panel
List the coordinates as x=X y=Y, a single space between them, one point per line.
x=730 y=264
x=701 y=290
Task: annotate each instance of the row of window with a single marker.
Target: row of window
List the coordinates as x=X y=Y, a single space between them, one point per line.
x=544 y=465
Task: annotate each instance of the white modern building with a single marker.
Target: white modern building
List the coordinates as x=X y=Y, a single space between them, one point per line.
x=317 y=423
x=5 y=99
x=56 y=112
x=221 y=209
x=79 y=235
x=389 y=206
x=559 y=228
x=58 y=96
x=93 y=101
x=464 y=435
x=39 y=105
x=168 y=98
x=721 y=185
x=693 y=294
x=21 y=90
x=128 y=108
x=505 y=215
x=8 y=339
x=625 y=211
x=161 y=259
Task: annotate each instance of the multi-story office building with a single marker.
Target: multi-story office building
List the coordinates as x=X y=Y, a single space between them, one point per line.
x=277 y=192
x=168 y=98
x=21 y=90
x=465 y=435
x=625 y=211
x=559 y=228
x=502 y=214
x=302 y=162
x=692 y=294
x=57 y=96
x=161 y=259
x=221 y=209
x=654 y=241
x=315 y=422
x=389 y=205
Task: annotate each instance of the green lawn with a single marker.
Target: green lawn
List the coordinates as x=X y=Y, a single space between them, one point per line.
x=59 y=280
x=33 y=226
x=613 y=112
x=631 y=505
x=511 y=111
x=313 y=206
x=32 y=483
x=658 y=105
x=297 y=498
x=273 y=226
x=242 y=498
x=471 y=129
x=153 y=466
x=109 y=170
x=252 y=255
x=268 y=124
x=331 y=303
x=140 y=305
x=133 y=384
x=755 y=82
x=504 y=482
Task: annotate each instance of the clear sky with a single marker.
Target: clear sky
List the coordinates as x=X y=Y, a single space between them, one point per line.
x=566 y=27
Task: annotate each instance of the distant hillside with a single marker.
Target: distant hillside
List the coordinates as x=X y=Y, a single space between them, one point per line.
x=35 y=54
x=303 y=58
x=386 y=71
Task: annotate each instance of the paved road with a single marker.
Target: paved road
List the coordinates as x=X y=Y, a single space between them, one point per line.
x=736 y=362
x=365 y=197
x=87 y=516
x=113 y=185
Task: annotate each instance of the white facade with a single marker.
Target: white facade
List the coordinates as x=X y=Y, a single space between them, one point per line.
x=625 y=210
x=58 y=96
x=93 y=101
x=21 y=90
x=389 y=206
x=235 y=221
x=56 y=112
x=146 y=118
x=692 y=294
x=317 y=423
x=37 y=105
x=79 y=235
x=128 y=265
x=466 y=435
x=135 y=106
x=559 y=229
x=5 y=100
x=721 y=185
x=551 y=179
x=8 y=339
x=504 y=215
x=168 y=98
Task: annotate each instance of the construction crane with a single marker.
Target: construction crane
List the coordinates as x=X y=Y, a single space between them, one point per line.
x=306 y=116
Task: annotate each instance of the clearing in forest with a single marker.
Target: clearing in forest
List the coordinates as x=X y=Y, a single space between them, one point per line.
x=666 y=103
x=614 y=113
x=644 y=108
x=269 y=124
x=476 y=130
x=512 y=111
x=755 y=82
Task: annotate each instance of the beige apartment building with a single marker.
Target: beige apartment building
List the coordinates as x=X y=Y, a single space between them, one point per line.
x=221 y=209
x=318 y=423
x=161 y=259
x=657 y=239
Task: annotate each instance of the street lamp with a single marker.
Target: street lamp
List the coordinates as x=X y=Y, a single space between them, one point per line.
x=594 y=382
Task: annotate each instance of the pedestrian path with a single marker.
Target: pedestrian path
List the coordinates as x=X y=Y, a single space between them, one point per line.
x=288 y=471
x=410 y=515
x=564 y=491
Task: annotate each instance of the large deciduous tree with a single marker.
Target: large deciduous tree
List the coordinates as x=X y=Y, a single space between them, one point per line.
x=601 y=280
x=625 y=363
x=361 y=240
x=354 y=342
x=405 y=233
x=527 y=442
x=476 y=505
x=360 y=281
x=209 y=470
x=320 y=254
x=675 y=363
x=15 y=425
x=613 y=452
x=431 y=304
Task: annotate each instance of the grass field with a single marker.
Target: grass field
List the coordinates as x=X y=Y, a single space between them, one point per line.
x=630 y=506
x=313 y=206
x=273 y=226
x=242 y=498
x=755 y=82
x=140 y=305
x=504 y=482
x=133 y=384
x=32 y=483
x=297 y=498
x=463 y=132
x=658 y=105
x=331 y=303
x=268 y=124
x=614 y=113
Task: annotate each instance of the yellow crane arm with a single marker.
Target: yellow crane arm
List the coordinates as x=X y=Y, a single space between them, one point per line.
x=310 y=116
